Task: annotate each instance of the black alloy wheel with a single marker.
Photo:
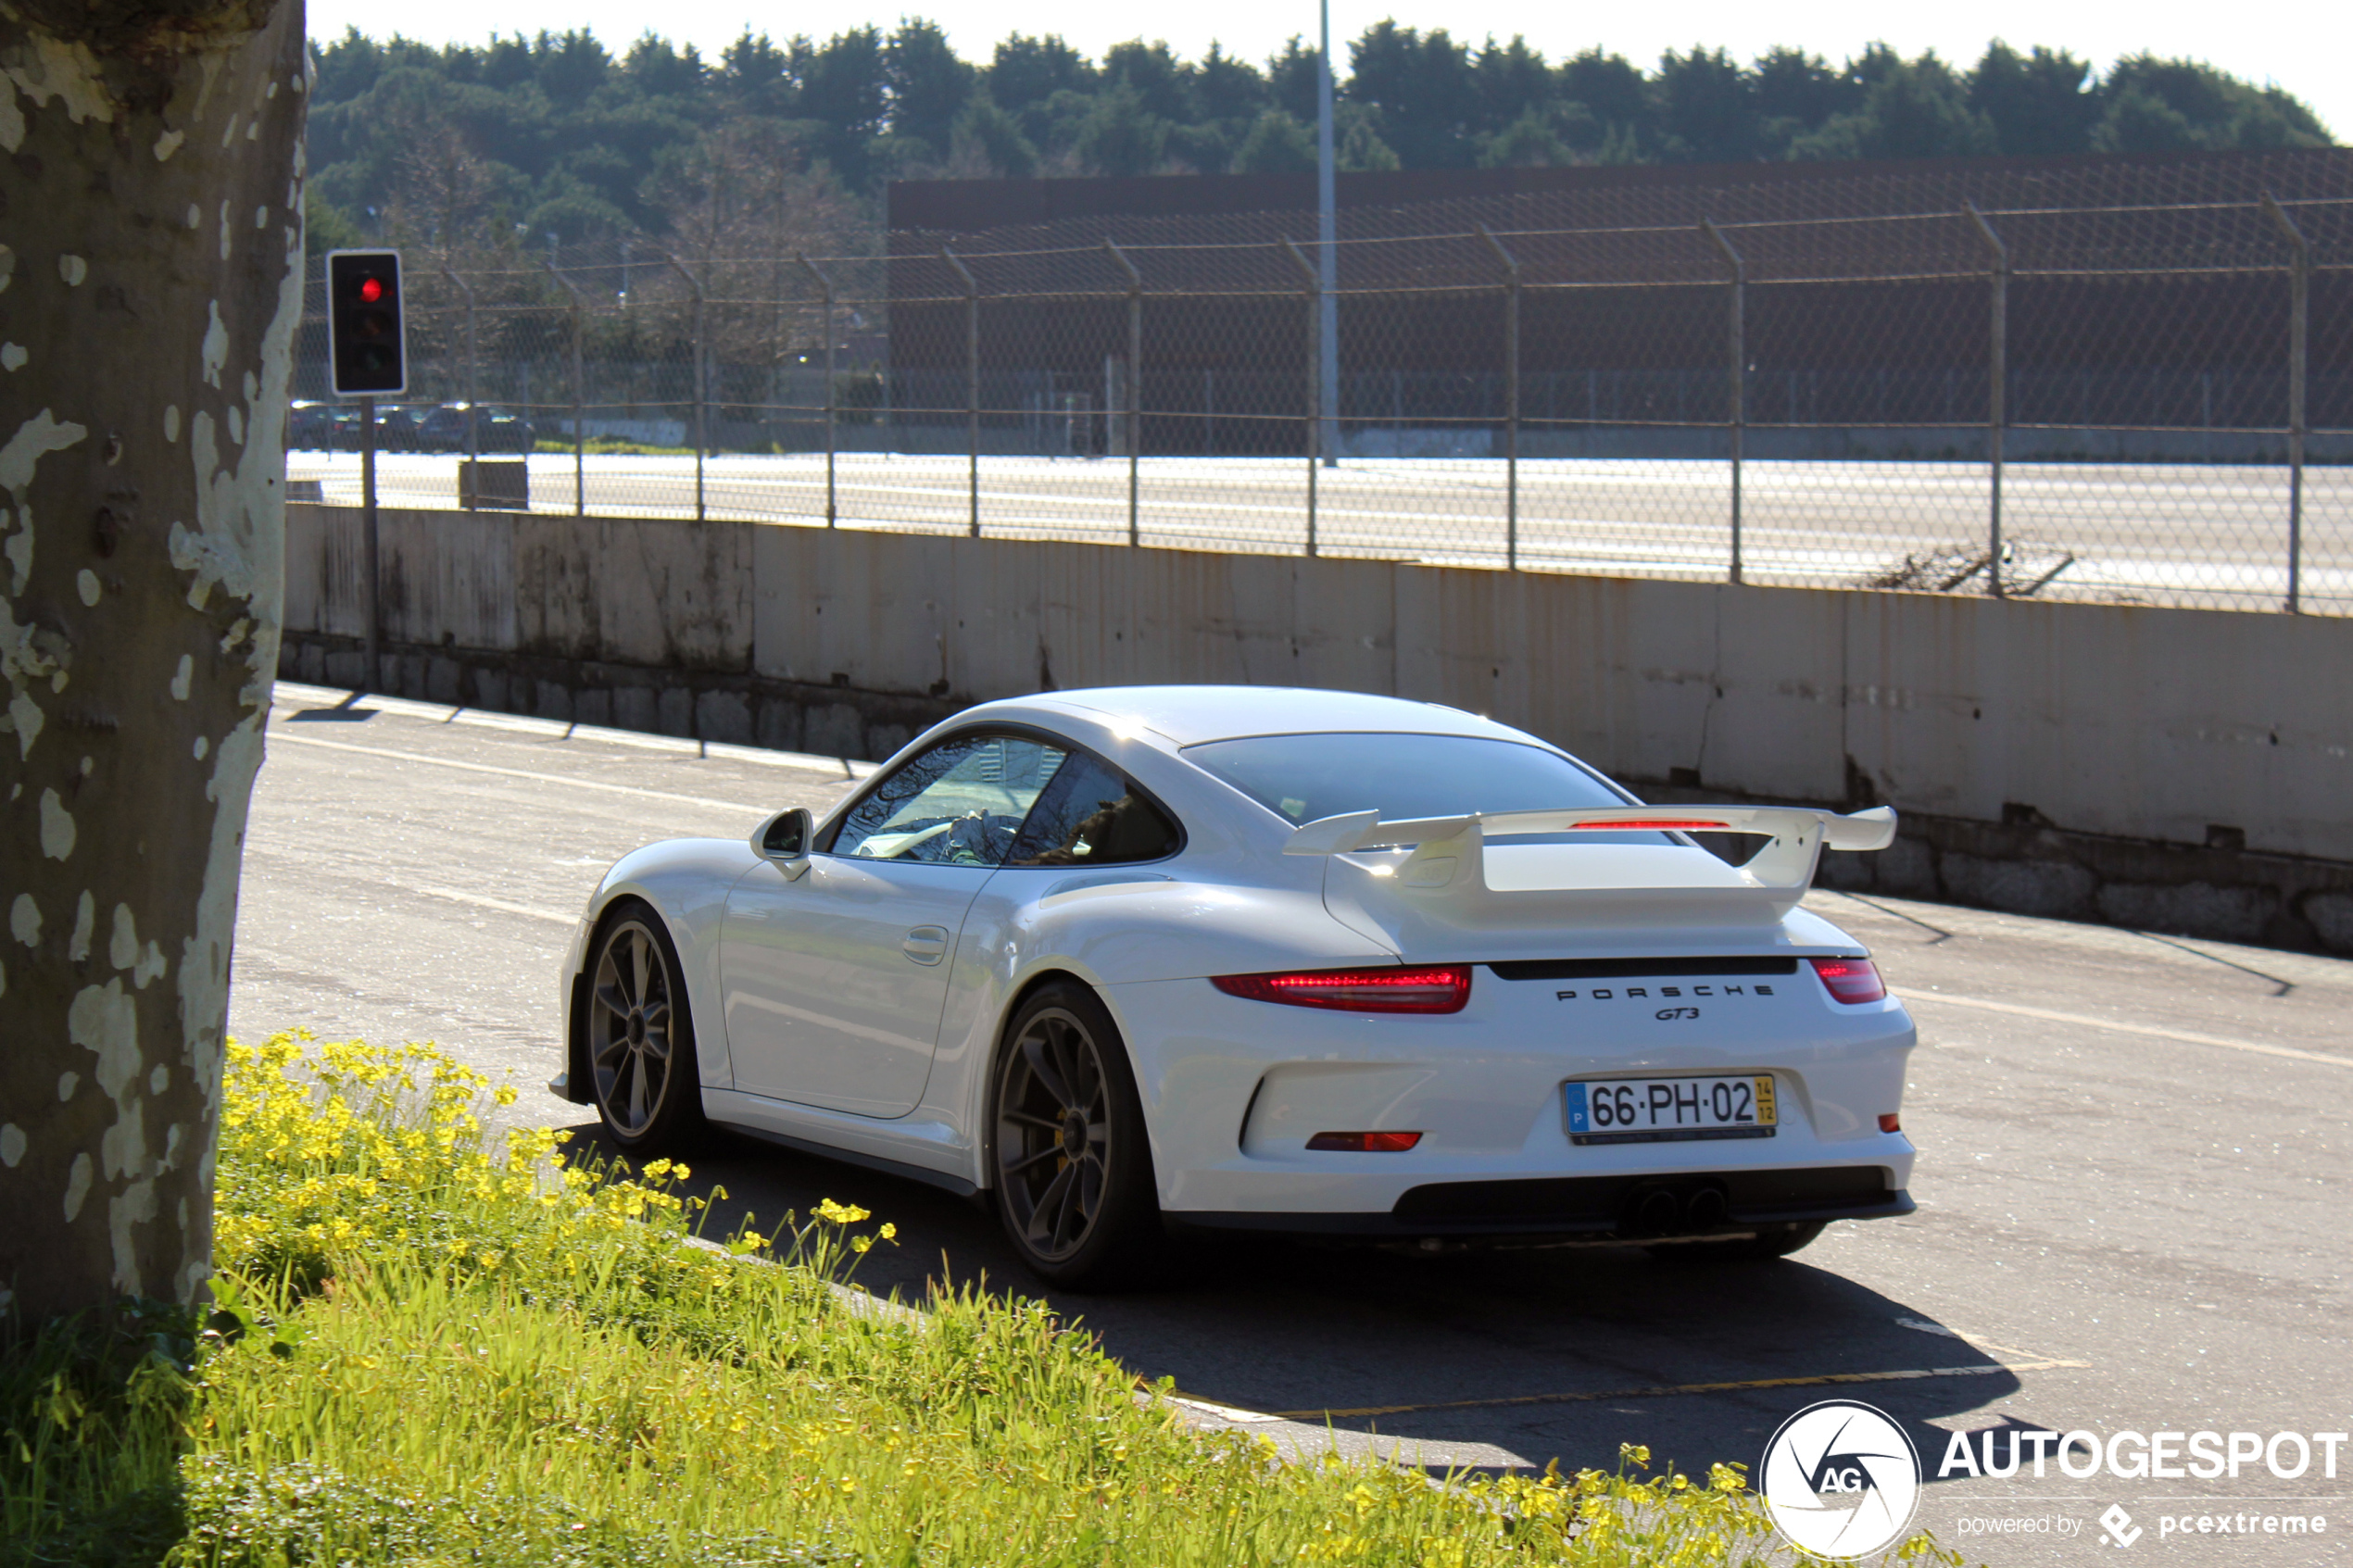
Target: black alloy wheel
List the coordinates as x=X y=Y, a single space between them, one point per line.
x=641 y=1037
x=1074 y=1177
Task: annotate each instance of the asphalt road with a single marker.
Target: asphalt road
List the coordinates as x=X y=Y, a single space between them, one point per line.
x=2132 y=1182
x=2178 y=534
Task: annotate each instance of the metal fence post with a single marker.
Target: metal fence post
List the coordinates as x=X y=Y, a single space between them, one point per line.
x=1135 y=376
x=1315 y=377
x=1511 y=399
x=1736 y=328
x=972 y=382
x=579 y=396
x=2298 y=325
x=473 y=394
x=1998 y=360
x=695 y=285
x=825 y=288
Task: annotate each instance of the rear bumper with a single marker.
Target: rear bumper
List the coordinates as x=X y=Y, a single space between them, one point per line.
x=1606 y=1208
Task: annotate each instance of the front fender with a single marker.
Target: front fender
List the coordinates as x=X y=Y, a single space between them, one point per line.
x=687 y=882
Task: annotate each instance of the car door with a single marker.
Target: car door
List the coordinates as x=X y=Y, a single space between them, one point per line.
x=832 y=983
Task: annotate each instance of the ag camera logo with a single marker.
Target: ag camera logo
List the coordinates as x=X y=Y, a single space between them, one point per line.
x=1841 y=1479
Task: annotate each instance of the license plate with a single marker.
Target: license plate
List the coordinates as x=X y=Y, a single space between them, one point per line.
x=1665 y=1109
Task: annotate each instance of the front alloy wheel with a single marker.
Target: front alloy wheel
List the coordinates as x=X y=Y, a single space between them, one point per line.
x=1073 y=1180
x=641 y=1053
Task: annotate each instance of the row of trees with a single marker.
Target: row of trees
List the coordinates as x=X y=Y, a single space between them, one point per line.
x=555 y=135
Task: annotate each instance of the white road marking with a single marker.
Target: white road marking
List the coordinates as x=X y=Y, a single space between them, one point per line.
x=278 y=733
x=2186 y=1037
x=501 y=905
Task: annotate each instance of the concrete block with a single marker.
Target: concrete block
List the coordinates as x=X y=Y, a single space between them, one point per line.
x=833 y=728
x=2331 y=915
x=448 y=577
x=2230 y=914
x=552 y=699
x=2051 y=888
x=1905 y=869
x=557 y=560
x=885 y=740
x=493 y=690
x=348 y=667
x=723 y=716
x=313 y=666
x=779 y=727
x=305 y=527
x=444 y=681
x=674 y=711
x=672 y=596
x=341 y=602
x=592 y=705
x=632 y=709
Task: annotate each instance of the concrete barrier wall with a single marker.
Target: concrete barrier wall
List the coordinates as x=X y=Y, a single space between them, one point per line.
x=2052 y=757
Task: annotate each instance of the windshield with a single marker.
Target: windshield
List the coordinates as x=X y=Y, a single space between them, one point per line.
x=1302 y=778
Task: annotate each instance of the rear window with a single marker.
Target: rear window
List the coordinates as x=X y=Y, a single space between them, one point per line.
x=1302 y=778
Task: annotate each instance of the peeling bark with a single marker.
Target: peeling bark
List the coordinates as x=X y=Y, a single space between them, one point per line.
x=146 y=340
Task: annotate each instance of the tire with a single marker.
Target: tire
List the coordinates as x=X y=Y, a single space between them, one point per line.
x=640 y=1035
x=1769 y=1242
x=1062 y=1080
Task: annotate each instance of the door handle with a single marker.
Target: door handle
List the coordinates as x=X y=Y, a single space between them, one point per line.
x=926 y=944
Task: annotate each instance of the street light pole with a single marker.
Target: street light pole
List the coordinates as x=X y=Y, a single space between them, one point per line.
x=1326 y=242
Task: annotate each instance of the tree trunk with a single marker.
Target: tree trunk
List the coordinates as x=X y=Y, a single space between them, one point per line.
x=150 y=289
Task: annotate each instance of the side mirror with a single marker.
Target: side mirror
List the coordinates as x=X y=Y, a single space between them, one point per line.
x=784 y=840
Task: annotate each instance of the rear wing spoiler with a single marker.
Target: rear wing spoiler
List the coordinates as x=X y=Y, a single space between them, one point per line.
x=1798 y=835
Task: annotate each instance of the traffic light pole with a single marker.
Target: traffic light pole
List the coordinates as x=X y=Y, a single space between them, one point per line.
x=368 y=543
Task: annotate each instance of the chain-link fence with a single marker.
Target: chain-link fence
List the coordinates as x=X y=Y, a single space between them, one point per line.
x=2131 y=400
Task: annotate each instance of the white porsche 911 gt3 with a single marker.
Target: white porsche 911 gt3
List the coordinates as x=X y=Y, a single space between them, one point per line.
x=1304 y=962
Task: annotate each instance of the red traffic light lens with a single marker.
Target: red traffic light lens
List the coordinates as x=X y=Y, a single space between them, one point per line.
x=371 y=290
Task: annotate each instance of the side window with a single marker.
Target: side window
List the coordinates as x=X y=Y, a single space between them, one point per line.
x=960 y=803
x=1091 y=816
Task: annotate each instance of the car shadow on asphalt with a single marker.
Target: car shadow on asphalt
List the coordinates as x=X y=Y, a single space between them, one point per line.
x=1546 y=1353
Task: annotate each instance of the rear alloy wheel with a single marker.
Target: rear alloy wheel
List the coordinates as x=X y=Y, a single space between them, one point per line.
x=641 y=1038
x=1074 y=1172
x=1770 y=1241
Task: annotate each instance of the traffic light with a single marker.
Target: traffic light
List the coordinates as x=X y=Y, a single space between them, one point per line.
x=364 y=332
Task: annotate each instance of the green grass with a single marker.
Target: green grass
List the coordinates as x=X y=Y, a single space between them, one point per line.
x=428 y=1352
x=609 y=444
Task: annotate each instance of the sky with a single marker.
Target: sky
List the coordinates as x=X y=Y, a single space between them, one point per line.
x=2303 y=50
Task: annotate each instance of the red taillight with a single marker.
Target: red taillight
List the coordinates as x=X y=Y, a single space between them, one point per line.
x=1850 y=980
x=1889 y=1122
x=1443 y=988
x=1364 y=1143
x=1653 y=824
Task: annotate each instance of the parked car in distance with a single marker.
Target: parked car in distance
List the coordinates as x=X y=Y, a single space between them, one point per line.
x=310 y=427
x=396 y=429
x=493 y=429
x=334 y=427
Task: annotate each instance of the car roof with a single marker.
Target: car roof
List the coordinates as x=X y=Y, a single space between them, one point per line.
x=1189 y=715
